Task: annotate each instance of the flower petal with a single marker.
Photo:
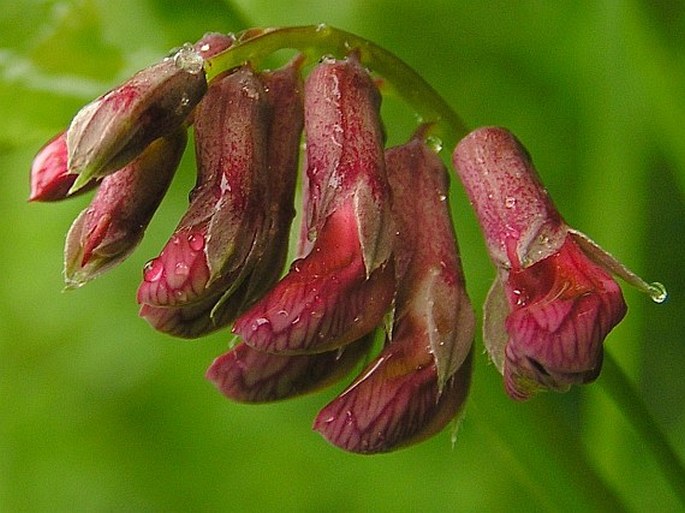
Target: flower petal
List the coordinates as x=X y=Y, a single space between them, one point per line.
x=395 y=401
x=247 y=375
x=325 y=301
x=562 y=308
x=105 y=233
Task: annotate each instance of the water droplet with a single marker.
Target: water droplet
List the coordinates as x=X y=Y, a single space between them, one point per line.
x=434 y=143
x=520 y=297
x=295 y=320
x=182 y=269
x=657 y=292
x=442 y=197
x=327 y=59
x=204 y=47
x=188 y=60
x=349 y=417
x=259 y=322
x=510 y=202
x=295 y=267
x=196 y=241
x=185 y=100
x=152 y=271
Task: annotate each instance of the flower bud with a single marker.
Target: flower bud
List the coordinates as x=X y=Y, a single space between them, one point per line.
x=342 y=288
x=553 y=301
x=345 y=155
x=109 y=132
x=420 y=380
x=50 y=179
x=106 y=232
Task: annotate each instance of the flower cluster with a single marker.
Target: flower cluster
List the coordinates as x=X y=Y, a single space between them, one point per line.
x=378 y=258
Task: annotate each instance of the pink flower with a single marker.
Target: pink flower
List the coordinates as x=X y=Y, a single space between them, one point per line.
x=326 y=300
x=225 y=218
x=342 y=287
x=553 y=301
x=106 y=232
x=112 y=130
x=247 y=140
x=420 y=380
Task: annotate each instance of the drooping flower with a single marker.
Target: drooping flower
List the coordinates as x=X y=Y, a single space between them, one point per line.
x=108 y=230
x=344 y=284
x=225 y=218
x=420 y=380
x=112 y=130
x=554 y=300
x=213 y=305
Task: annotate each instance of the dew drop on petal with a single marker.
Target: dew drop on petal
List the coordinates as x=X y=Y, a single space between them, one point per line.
x=657 y=291
x=187 y=59
x=182 y=269
x=153 y=270
x=510 y=202
x=196 y=241
x=259 y=322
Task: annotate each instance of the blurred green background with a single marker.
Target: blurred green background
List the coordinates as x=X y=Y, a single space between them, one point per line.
x=98 y=413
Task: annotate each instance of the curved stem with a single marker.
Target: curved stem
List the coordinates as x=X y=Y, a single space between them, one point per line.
x=317 y=40
x=623 y=393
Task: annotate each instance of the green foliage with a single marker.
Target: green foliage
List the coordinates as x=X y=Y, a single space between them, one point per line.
x=99 y=413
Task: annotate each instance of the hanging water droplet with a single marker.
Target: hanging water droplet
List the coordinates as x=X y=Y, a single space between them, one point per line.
x=657 y=291
x=188 y=60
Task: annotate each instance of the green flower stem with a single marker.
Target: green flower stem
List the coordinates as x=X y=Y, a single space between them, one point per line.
x=314 y=41
x=624 y=394
x=317 y=40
